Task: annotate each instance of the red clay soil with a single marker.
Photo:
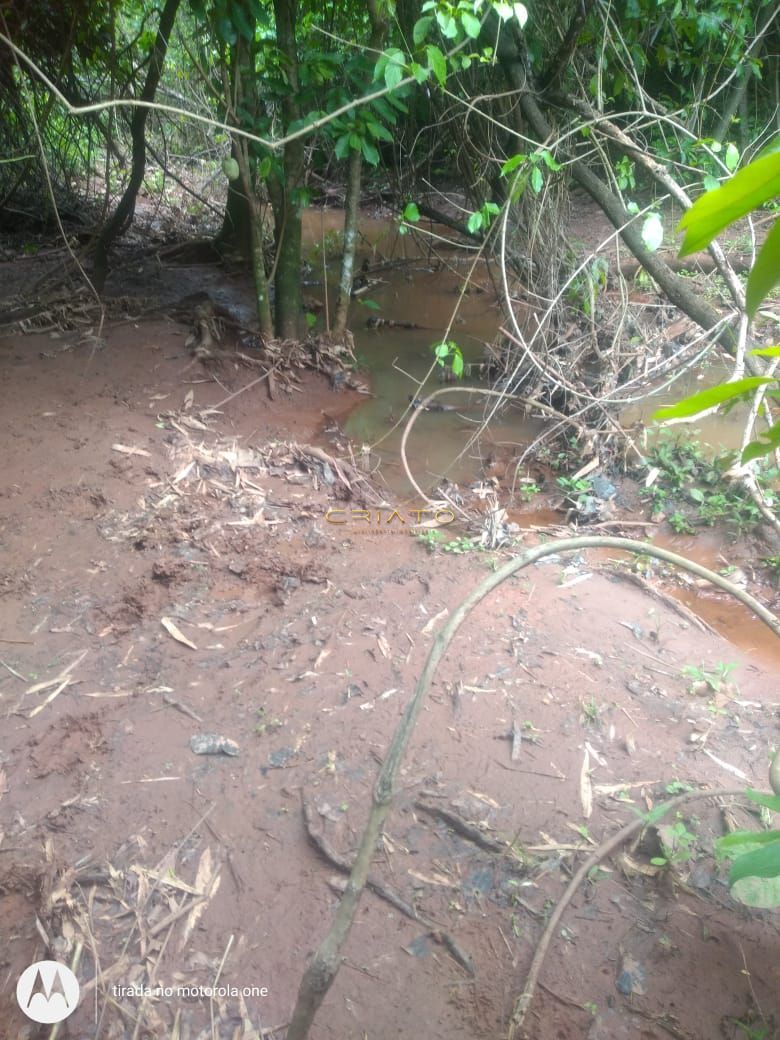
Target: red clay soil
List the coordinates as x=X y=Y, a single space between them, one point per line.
x=125 y=502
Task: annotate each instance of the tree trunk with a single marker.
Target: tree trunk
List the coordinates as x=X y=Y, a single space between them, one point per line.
x=288 y=298
x=123 y=214
x=350 y=241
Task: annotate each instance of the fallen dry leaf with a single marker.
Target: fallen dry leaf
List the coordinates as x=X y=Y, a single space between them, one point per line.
x=172 y=630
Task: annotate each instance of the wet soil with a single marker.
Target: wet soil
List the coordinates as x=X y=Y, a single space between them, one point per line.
x=169 y=571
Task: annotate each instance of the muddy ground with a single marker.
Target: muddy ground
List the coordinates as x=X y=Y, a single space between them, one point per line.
x=169 y=572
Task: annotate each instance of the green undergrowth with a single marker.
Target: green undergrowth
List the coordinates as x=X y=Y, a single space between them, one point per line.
x=692 y=488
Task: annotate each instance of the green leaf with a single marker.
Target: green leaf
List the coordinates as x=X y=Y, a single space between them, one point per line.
x=653 y=232
x=370 y=152
x=757 y=449
x=393 y=75
x=707 y=398
x=475 y=222
x=457 y=364
x=437 y=62
x=766 y=352
x=265 y=167
x=420 y=73
x=371 y=304
x=537 y=179
x=378 y=132
x=765 y=273
x=411 y=213
x=739 y=843
x=342 y=147
x=447 y=25
x=471 y=25
x=513 y=163
x=770 y=801
x=731 y=157
x=762 y=893
x=763 y=863
x=421 y=27
x=757 y=183
x=549 y=161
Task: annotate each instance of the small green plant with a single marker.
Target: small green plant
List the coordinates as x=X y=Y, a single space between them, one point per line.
x=591 y=712
x=430 y=539
x=679 y=523
x=714 y=678
x=529 y=488
x=449 y=354
x=459 y=546
x=677 y=843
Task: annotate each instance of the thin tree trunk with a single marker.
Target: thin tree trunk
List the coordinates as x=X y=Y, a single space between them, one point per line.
x=288 y=297
x=350 y=241
x=123 y=214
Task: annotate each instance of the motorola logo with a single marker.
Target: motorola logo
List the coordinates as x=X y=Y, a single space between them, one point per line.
x=47 y=992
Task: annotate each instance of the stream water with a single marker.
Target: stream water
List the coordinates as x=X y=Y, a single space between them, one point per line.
x=426 y=292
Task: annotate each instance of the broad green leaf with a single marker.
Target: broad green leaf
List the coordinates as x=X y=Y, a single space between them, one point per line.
x=549 y=161
x=739 y=843
x=504 y=11
x=475 y=222
x=378 y=132
x=765 y=273
x=762 y=863
x=471 y=25
x=513 y=163
x=370 y=153
x=265 y=167
x=757 y=183
x=708 y=398
x=371 y=304
x=419 y=72
x=447 y=25
x=769 y=441
x=711 y=183
x=766 y=352
x=393 y=75
x=731 y=157
x=537 y=179
x=770 y=801
x=421 y=27
x=457 y=364
x=342 y=147
x=411 y=213
x=653 y=232
x=762 y=893
x=437 y=62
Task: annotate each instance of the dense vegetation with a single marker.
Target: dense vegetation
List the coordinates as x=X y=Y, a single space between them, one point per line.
x=503 y=107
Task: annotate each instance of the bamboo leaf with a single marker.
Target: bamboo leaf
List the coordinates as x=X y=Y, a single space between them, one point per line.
x=708 y=398
x=766 y=271
x=756 y=184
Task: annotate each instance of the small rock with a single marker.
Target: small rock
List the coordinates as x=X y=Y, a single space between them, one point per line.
x=213 y=744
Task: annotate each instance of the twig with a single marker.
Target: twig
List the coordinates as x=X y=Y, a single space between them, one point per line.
x=523 y=1002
